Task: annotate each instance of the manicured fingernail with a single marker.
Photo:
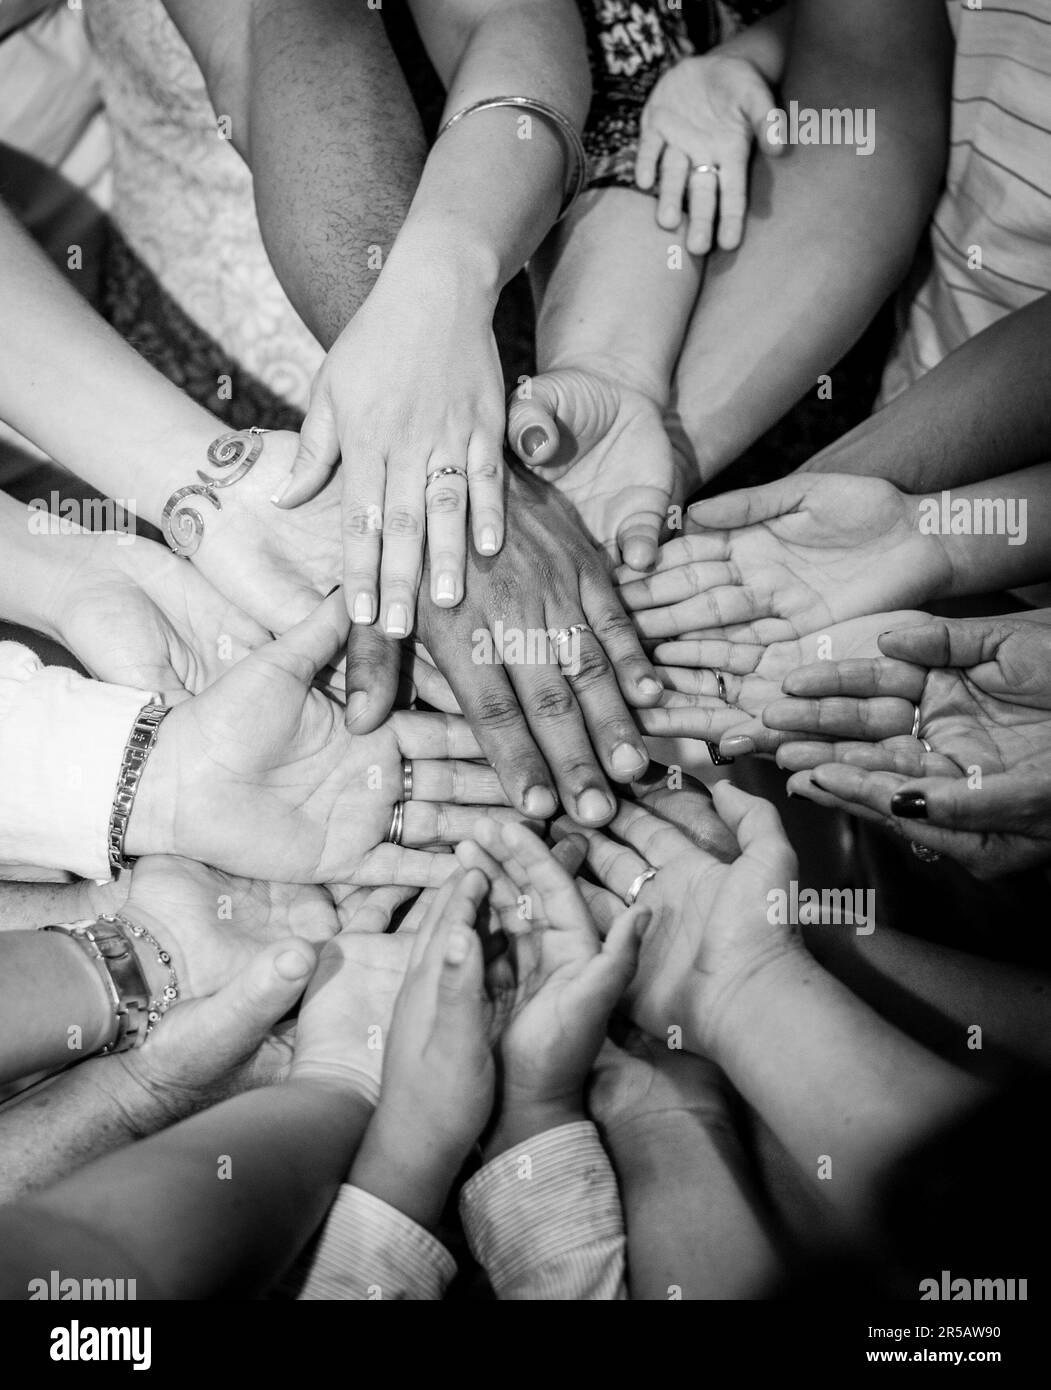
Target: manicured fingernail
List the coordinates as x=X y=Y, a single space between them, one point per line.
x=909 y=805
x=539 y=802
x=357 y=704
x=457 y=947
x=397 y=620
x=489 y=542
x=282 y=489
x=445 y=588
x=593 y=806
x=627 y=759
x=533 y=439
x=292 y=965
x=648 y=686
x=736 y=745
x=364 y=608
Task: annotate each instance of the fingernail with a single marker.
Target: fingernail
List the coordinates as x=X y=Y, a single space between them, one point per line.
x=457 y=947
x=533 y=439
x=539 y=802
x=909 y=805
x=397 y=620
x=736 y=745
x=647 y=686
x=489 y=542
x=643 y=918
x=282 y=489
x=594 y=806
x=291 y=965
x=627 y=759
x=357 y=704
x=364 y=608
x=445 y=588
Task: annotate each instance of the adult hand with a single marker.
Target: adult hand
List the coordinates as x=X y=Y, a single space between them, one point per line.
x=259 y=776
x=543 y=725
x=709 y=930
x=554 y=991
x=642 y=1079
x=134 y=614
x=722 y=690
x=413 y=384
x=706 y=110
x=604 y=446
x=213 y=924
x=779 y=562
x=982 y=793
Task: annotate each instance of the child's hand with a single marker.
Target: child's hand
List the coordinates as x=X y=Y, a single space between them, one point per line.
x=557 y=985
x=704 y=112
x=438 y=1073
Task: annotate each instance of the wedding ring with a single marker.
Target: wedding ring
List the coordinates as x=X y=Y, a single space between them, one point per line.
x=406 y=780
x=566 y=634
x=397 y=824
x=916 y=724
x=926 y=746
x=925 y=855
x=720 y=684
x=638 y=885
x=445 y=473
x=705 y=169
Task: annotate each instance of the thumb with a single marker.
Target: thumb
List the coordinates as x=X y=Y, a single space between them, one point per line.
x=316 y=456
x=944 y=643
x=232 y=1023
x=531 y=429
x=373 y=676
x=755 y=823
x=310 y=646
x=750 y=505
x=610 y=972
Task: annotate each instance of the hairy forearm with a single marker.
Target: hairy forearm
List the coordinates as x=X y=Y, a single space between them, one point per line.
x=986 y=408
x=615 y=292
x=830 y=233
x=249 y=1195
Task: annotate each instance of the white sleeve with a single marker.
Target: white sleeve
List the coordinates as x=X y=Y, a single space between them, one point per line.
x=62 y=739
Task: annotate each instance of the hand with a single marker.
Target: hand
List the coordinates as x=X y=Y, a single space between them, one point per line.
x=207 y=1049
x=135 y=614
x=213 y=924
x=709 y=931
x=789 y=559
x=438 y=1071
x=345 y=1020
x=604 y=446
x=643 y=1079
x=274 y=565
x=982 y=794
x=546 y=578
x=704 y=110
x=693 y=705
x=554 y=991
x=412 y=384
x=259 y=776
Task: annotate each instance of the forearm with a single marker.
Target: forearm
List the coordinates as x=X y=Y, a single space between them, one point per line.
x=764 y=44
x=248 y=1193
x=996 y=534
x=615 y=292
x=25 y=906
x=53 y=1004
x=845 y=1092
x=830 y=233
x=73 y=386
x=691 y=1223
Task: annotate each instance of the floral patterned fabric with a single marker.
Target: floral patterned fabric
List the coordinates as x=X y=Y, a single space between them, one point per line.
x=630 y=44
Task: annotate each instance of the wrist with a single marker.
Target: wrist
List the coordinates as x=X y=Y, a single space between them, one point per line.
x=408 y=1167
x=446 y=259
x=724 y=1016
x=522 y=1119
x=951 y=553
x=150 y=827
x=615 y=367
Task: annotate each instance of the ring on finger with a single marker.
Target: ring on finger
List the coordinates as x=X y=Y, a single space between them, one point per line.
x=397 y=824
x=638 y=884
x=406 y=780
x=712 y=169
x=448 y=472
x=926 y=746
x=925 y=855
x=720 y=685
x=916 y=723
x=567 y=634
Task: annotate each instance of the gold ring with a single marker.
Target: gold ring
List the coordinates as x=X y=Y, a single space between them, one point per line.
x=397 y=824
x=406 y=780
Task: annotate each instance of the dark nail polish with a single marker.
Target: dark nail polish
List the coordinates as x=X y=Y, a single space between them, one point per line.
x=334 y=590
x=533 y=439
x=717 y=758
x=909 y=805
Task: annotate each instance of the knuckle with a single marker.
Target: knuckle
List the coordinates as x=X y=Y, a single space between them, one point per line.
x=403 y=522
x=592 y=666
x=445 y=499
x=552 y=700
x=497 y=710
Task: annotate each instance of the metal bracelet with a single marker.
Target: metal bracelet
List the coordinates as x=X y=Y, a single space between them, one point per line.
x=183 y=526
x=136 y=752
x=169 y=995
x=575 y=156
